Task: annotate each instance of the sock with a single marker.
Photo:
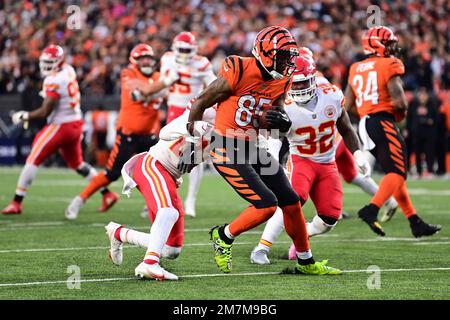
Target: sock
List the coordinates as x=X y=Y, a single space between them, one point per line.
x=87 y=171
x=25 y=179
x=319 y=226
x=170 y=252
x=305 y=258
x=225 y=234
x=367 y=184
x=195 y=177
x=250 y=218
x=389 y=184
x=18 y=198
x=404 y=201
x=294 y=223
x=99 y=181
x=273 y=228
x=131 y=236
x=159 y=233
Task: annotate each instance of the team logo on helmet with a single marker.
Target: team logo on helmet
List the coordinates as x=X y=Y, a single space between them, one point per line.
x=276 y=50
x=380 y=41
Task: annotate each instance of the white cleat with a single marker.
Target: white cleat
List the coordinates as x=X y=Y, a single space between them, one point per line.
x=116 y=246
x=259 y=256
x=389 y=210
x=153 y=271
x=74 y=208
x=189 y=208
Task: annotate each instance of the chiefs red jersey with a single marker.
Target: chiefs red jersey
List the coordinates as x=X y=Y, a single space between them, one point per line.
x=368 y=80
x=251 y=94
x=137 y=117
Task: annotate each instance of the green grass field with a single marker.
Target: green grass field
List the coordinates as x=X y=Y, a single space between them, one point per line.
x=37 y=247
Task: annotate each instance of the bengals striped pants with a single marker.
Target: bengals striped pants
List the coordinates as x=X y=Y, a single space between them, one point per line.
x=252 y=172
x=124 y=148
x=390 y=147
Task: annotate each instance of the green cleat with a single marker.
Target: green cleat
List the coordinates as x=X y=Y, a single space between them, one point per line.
x=318 y=268
x=223 y=255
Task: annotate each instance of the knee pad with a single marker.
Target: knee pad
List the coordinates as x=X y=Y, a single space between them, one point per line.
x=170 y=252
x=290 y=198
x=113 y=175
x=320 y=224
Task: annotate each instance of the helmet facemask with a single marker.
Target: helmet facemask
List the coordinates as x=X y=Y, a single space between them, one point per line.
x=283 y=64
x=391 y=48
x=146 y=65
x=184 y=52
x=303 y=89
x=47 y=66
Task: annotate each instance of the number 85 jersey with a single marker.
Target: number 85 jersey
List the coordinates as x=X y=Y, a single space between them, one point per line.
x=313 y=130
x=250 y=95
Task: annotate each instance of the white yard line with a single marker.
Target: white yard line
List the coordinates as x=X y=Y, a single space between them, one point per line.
x=41 y=283
x=320 y=239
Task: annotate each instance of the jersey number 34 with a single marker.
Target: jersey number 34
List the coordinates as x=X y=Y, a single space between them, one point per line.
x=370 y=92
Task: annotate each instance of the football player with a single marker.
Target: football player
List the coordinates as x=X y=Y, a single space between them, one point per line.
x=195 y=74
x=157 y=178
x=141 y=85
x=316 y=112
x=245 y=88
x=375 y=87
x=63 y=132
x=345 y=161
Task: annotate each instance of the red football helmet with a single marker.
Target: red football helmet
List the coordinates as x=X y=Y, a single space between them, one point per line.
x=275 y=48
x=380 y=41
x=185 y=47
x=143 y=50
x=303 y=80
x=51 y=59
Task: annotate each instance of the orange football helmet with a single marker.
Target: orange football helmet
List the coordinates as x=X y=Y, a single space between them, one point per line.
x=380 y=41
x=139 y=51
x=276 y=50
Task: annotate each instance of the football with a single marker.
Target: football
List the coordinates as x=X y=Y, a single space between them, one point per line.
x=263 y=124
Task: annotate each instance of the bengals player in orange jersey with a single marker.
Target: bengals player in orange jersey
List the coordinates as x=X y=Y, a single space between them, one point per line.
x=139 y=104
x=245 y=88
x=375 y=87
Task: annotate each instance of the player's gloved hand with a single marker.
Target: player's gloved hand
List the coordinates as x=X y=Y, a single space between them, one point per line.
x=172 y=77
x=362 y=163
x=137 y=96
x=19 y=116
x=278 y=119
x=187 y=156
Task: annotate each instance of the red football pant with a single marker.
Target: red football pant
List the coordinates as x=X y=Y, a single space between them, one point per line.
x=320 y=181
x=345 y=162
x=65 y=138
x=159 y=190
x=174 y=112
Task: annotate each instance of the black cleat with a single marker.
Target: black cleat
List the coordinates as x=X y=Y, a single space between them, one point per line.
x=420 y=228
x=369 y=216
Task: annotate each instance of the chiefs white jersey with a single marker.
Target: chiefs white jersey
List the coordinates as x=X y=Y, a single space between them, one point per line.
x=171 y=138
x=193 y=78
x=63 y=85
x=312 y=134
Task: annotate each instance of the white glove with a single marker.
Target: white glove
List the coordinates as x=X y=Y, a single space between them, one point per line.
x=362 y=163
x=19 y=116
x=170 y=78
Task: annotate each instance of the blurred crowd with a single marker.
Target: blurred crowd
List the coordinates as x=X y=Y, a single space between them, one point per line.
x=110 y=28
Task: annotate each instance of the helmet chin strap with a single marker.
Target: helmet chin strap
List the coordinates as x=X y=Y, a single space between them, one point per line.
x=276 y=75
